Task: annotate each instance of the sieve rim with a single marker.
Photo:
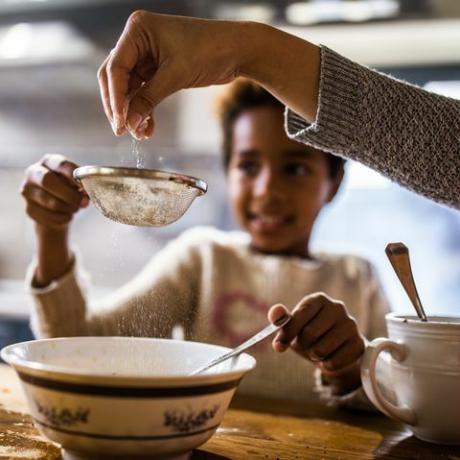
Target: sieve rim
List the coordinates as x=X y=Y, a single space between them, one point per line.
x=84 y=172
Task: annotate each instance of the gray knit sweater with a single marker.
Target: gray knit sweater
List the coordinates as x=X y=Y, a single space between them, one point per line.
x=408 y=134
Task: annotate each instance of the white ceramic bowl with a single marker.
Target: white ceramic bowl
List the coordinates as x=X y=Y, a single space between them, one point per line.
x=125 y=396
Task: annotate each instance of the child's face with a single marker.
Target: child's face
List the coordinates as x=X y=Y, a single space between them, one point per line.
x=277 y=186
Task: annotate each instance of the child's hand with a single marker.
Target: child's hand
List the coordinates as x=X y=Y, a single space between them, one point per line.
x=51 y=193
x=322 y=331
x=52 y=198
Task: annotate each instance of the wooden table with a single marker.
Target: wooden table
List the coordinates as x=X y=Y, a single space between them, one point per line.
x=252 y=429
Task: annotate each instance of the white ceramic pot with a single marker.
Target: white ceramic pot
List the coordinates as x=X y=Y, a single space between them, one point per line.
x=425 y=375
x=125 y=396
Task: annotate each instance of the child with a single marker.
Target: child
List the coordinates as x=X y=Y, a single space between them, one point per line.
x=217 y=285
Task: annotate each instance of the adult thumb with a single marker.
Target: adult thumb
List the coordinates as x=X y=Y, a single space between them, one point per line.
x=148 y=97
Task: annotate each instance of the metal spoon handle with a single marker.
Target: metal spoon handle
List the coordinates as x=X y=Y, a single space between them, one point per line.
x=398 y=254
x=261 y=335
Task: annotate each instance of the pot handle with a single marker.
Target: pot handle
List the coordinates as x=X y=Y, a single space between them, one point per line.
x=399 y=353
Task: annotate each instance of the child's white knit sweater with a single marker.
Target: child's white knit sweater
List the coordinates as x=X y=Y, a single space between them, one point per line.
x=212 y=284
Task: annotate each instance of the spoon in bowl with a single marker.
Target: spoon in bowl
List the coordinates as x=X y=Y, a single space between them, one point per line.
x=261 y=335
x=399 y=258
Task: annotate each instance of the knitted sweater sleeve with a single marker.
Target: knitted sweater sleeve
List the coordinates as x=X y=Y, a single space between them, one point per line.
x=408 y=134
x=161 y=296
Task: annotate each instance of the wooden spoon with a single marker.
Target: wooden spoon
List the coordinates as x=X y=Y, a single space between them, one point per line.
x=399 y=258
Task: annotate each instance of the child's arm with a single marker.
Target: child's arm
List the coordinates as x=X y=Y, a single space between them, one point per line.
x=160 y=297
x=52 y=198
x=322 y=331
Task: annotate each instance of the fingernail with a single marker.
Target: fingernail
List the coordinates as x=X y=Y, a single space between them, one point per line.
x=281 y=345
x=118 y=124
x=134 y=121
x=283 y=320
x=136 y=134
x=143 y=125
x=117 y=128
x=141 y=131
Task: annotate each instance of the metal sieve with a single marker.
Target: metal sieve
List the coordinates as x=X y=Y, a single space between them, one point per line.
x=141 y=197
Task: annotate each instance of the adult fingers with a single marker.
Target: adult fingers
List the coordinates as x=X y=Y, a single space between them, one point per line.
x=145 y=130
x=104 y=89
x=121 y=61
x=150 y=95
x=149 y=129
x=142 y=73
x=123 y=73
x=135 y=82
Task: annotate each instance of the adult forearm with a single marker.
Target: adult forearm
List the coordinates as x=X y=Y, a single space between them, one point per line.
x=287 y=66
x=53 y=255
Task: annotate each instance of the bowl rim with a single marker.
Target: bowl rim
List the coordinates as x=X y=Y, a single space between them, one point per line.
x=84 y=172
x=64 y=373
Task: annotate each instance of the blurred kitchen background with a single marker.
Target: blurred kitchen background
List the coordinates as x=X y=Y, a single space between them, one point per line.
x=50 y=51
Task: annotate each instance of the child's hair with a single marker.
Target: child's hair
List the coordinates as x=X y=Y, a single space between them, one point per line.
x=243 y=94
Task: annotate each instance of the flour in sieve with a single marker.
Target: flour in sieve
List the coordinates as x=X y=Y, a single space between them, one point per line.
x=141 y=202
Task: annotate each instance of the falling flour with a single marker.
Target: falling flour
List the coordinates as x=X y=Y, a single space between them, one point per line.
x=136 y=148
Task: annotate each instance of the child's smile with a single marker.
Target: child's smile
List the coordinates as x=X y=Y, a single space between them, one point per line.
x=268 y=222
x=277 y=186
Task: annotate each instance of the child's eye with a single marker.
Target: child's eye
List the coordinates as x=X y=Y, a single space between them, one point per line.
x=248 y=167
x=297 y=169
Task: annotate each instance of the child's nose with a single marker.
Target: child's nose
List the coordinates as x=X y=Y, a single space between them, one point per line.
x=265 y=184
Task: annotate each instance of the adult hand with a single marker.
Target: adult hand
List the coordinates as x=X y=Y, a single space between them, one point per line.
x=157 y=55
x=322 y=331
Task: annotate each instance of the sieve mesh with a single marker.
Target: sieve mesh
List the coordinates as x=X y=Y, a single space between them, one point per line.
x=140 y=201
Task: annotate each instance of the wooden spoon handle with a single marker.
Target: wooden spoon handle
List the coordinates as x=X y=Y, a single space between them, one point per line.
x=398 y=254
